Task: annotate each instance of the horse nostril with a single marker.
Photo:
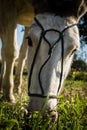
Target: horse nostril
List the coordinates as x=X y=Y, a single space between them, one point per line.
x=54 y=115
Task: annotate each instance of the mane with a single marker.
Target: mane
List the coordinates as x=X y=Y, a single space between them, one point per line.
x=62 y=8
x=67 y=8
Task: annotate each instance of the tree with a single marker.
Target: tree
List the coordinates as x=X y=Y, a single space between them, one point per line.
x=83 y=28
x=79 y=65
x=83 y=38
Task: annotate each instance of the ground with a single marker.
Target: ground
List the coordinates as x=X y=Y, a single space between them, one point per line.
x=72 y=109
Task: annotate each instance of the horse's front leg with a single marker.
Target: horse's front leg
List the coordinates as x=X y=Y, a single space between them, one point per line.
x=10 y=55
x=3 y=66
x=21 y=62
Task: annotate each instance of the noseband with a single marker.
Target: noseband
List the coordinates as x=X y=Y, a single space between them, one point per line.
x=50 y=52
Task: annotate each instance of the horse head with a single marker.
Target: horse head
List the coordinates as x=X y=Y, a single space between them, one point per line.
x=54 y=40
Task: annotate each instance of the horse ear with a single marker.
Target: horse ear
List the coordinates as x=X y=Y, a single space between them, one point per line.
x=81 y=8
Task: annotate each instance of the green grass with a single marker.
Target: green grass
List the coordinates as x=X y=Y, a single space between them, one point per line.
x=72 y=111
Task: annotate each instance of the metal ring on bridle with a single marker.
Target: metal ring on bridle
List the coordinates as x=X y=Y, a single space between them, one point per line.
x=51 y=47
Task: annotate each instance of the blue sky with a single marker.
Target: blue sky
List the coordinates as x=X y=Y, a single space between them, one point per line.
x=20 y=34
x=82 y=53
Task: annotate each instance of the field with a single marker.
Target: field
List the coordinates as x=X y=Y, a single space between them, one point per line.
x=72 y=110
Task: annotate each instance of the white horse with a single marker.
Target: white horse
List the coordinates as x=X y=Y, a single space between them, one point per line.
x=54 y=42
x=22 y=12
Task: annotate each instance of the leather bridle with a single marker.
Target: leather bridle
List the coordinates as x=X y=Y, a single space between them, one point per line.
x=50 y=52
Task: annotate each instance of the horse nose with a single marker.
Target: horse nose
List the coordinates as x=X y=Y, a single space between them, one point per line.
x=54 y=115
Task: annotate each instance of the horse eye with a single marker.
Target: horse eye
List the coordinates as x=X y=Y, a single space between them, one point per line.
x=29 y=41
x=73 y=51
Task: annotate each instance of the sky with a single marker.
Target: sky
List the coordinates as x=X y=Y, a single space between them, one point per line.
x=20 y=34
x=81 y=53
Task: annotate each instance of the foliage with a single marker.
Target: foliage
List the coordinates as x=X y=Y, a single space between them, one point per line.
x=77 y=75
x=83 y=38
x=79 y=65
x=83 y=28
x=72 y=111
x=71 y=114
